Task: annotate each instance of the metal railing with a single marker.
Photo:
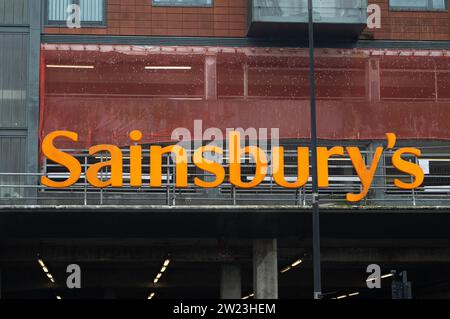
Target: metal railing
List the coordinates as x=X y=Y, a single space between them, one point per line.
x=326 y=11
x=24 y=188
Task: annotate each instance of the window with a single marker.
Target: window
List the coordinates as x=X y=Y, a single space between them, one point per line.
x=425 y=5
x=92 y=12
x=183 y=3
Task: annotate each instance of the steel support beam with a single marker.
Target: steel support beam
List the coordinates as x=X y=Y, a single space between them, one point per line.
x=34 y=57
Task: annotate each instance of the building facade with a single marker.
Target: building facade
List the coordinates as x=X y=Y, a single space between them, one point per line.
x=171 y=68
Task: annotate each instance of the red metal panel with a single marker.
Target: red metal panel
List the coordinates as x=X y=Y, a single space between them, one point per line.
x=261 y=88
x=109 y=120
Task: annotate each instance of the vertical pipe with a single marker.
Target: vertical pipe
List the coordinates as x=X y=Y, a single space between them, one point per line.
x=41 y=99
x=173 y=176
x=32 y=106
x=315 y=188
x=233 y=189
x=304 y=196
x=413 y=192
x=168 y=180
x=85 y=180
x=102 y=177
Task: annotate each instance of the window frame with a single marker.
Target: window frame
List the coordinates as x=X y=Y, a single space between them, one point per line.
x=84 y=24
x=173 y=3
x=429 y=8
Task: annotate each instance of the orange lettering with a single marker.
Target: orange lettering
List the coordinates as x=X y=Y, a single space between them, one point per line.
x=235 y=162
x=52 y=153
x=302 y=167
x=209 y=166
x=115 y=163
x=407 y=167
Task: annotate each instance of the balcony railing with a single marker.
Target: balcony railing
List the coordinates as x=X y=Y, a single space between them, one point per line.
x=16 y=189
x=292 y=13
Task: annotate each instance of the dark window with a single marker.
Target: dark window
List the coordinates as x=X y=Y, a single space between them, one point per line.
x=92 y=12
x=420 y=5
x=183 y=3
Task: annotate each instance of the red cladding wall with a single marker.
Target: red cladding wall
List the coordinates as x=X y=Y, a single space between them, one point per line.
x=362 y=94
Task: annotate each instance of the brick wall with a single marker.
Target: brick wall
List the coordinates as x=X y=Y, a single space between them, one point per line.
x=138 y=17
x=411 y=25
x=228 y=19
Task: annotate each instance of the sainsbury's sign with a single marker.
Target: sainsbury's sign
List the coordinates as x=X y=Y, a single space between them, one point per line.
x=235 y=152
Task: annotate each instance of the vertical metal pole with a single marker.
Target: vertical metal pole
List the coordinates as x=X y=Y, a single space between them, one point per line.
x=168 y=179
x=413 y=192
x=102 y=178
x=85 y=180
x=233 y=194
x=33 y=100
x=315 y=187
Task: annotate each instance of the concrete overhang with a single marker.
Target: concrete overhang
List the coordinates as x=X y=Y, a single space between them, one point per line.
x=222 y=221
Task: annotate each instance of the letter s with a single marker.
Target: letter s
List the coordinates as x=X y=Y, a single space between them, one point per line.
x=408 y=168
x=52 y=153
x=209 y=166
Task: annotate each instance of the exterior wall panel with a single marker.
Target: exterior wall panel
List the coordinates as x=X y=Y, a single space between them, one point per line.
x=12 y=159
x=12 y=153
x=19 y=95
x=13 y=80
x=256 y=87
x=411 y=25
x=227 y=18
x=14 y=12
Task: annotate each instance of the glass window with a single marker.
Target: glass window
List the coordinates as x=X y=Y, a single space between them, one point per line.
x=92 y=11
x=418 y=4
x=57 y=9
x=183 y=3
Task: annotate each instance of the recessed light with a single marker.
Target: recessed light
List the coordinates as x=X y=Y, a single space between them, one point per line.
x=57 y=66
x=168 y=67
x=296 y=263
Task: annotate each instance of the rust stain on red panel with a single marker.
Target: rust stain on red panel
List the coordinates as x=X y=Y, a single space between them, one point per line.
x=110 y=120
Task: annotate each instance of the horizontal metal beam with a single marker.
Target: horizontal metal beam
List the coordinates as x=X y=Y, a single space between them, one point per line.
x=238 y=42
x=223 y=208
x=14 y=29
x=14 y=132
